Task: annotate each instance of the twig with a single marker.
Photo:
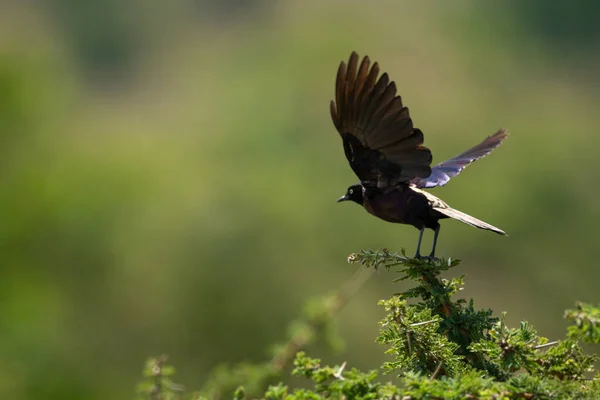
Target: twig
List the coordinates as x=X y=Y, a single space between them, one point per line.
x=437 y=370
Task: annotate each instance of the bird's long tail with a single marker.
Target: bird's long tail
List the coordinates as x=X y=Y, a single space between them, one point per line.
x=467 y=219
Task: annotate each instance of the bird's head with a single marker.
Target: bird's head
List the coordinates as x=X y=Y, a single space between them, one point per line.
x=354 y=193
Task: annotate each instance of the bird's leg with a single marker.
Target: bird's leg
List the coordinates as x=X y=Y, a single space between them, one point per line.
x=435 y=236
x=418 y=255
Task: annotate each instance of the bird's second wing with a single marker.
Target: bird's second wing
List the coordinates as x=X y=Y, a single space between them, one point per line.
x=441 y=173
x=380 y=142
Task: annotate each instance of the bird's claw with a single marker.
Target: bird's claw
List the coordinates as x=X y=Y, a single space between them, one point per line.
x=428 y=258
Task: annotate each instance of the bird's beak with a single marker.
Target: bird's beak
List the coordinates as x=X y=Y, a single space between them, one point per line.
x=343 y=198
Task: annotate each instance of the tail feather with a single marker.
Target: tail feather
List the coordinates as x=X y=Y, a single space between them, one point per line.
x=467 y=219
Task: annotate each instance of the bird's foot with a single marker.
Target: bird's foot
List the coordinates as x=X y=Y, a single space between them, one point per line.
x=428 y=258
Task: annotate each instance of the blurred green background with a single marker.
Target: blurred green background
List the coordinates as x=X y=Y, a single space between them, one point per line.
x=169 y=173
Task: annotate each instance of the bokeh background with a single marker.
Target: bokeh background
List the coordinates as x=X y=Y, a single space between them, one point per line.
x=169 y=173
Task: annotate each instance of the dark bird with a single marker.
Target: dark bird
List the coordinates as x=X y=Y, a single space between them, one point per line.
x=386 y=152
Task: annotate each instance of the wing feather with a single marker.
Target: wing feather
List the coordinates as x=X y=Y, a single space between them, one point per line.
x=380 y=142
x=441 y=173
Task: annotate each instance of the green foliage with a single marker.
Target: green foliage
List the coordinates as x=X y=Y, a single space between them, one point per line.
x=335 y=382
x=440 y=348
x=459 y=322
x=414 y=340
x=157 y=383
x=587 y=323
x=511 y=350
x=225 y=379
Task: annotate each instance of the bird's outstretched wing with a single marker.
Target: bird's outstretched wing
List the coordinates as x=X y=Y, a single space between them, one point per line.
x=379 y=140
x=441 y=173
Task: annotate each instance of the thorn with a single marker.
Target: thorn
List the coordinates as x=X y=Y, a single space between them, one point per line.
x=541 y=346
x=338 y=373
x=424 y=323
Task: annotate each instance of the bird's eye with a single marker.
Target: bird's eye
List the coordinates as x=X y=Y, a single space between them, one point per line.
x=351 y=191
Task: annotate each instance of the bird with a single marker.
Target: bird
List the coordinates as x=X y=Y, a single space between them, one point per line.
x=387 y=154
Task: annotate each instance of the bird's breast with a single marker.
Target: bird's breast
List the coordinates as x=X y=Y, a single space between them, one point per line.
x=391 y=205
x=400 y=205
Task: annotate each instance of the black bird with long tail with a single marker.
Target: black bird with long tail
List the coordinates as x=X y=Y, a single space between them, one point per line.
x=387 y=154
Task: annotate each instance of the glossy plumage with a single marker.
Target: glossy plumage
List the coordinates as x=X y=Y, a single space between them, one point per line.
x=387 y=154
